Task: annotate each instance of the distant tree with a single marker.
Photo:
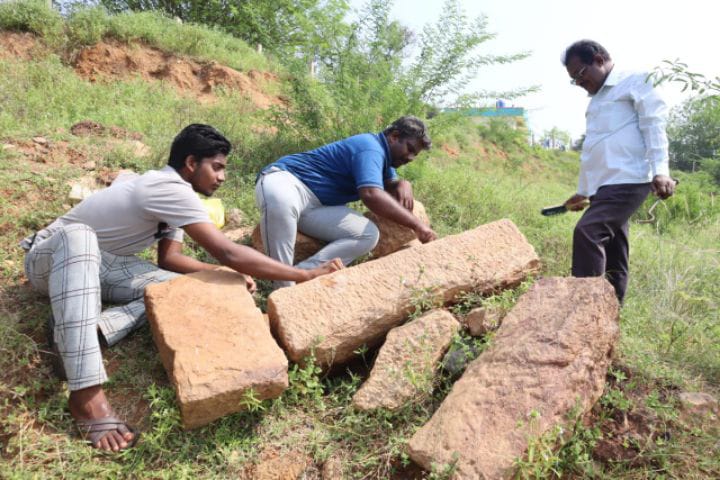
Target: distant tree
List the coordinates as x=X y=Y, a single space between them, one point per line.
x=556 y=137
x=694 y=133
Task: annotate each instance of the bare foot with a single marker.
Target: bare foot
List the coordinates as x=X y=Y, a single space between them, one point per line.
x=90 y=404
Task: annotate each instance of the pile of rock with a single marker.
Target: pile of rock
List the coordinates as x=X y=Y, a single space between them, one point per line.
x=549 y=355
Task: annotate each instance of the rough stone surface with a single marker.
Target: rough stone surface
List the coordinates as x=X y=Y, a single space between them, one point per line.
x=338 y=313
x=305 y=247
x=550 y=356
x=698 y=403
x=483 y=320
x=393 y=236
x=406 y=364
x=214 y=343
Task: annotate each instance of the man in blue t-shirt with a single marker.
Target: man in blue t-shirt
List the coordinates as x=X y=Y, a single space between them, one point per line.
x=308 y=192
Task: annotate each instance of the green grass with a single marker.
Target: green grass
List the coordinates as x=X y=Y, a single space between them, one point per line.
x=474 y=174
x=89 y=25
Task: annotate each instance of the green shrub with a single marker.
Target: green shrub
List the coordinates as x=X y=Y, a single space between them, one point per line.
x=87 y=26
x=32 y=16
x=196 y=40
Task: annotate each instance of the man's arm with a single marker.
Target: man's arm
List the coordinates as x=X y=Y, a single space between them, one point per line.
x=652 y=113
x=250 y=262
x=383 y=204
x=402 y=191
x=170 y=257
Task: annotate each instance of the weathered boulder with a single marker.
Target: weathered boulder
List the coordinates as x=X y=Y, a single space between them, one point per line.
x=482 y=320
x=305 y=247
x=338 y=313
x=549 y=357
x=406 y=364
x=214 y=343
x=394 y=236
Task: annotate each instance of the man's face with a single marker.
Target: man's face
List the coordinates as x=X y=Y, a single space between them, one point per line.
x=589 y=77
x=403 y=150
x=207 y=175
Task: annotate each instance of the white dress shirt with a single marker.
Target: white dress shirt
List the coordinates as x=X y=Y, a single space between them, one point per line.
x=625 y=140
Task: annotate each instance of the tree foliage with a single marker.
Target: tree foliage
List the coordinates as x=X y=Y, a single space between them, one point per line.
x=379 y=69
x=694 y=135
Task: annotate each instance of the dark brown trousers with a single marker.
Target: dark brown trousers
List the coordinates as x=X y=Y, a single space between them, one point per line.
x=600 y=241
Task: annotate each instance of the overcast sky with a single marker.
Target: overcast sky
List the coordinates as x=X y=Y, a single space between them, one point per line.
x=639 y=34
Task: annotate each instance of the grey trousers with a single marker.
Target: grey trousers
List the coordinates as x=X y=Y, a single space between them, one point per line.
x=288 y=205
x=600 y=240
x=70 y=267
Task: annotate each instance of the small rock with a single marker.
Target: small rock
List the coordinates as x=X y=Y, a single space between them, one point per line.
x=8 y=146
x=139 y=149
x=332 y=469
x=40 y=140
x=458 y=357
x=483 y=320
x=234 y=218
x=89 y=165
x=698 y=403
x=238 y=235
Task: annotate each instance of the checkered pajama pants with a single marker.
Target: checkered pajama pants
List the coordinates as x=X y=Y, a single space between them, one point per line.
x=70 y=267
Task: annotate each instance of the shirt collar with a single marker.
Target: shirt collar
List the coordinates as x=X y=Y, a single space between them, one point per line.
x=386 y=147
x=171 y=170
x=613 y=78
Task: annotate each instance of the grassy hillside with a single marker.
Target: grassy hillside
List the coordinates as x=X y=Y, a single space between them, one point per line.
x=474 y=174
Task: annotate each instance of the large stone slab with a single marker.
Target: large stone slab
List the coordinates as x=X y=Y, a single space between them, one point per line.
x=214 y=343
x=406 y=364
x=338 y=313
x=549 y=357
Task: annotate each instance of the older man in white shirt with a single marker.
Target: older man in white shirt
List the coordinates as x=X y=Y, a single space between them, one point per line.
x=624 y=158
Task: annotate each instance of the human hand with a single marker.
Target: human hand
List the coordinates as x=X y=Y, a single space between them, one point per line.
x=250 y=284
x=328 y=267
x=425 y=234
x=403 y=193
x=576 y=203
x=663 y=186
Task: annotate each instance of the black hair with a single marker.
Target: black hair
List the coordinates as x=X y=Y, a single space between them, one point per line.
x=200 y=141
x=410 y=127
x=585 y=50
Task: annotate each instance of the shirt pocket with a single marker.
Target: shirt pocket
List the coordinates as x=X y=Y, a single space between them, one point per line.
x=609 y=116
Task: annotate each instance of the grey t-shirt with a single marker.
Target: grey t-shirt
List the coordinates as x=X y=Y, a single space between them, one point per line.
x=136 y=211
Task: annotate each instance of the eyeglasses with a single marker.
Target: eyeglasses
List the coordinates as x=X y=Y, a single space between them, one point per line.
x=578 y=76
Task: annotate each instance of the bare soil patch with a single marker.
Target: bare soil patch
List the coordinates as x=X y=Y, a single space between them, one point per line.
x=22 y=45
x=111 y=60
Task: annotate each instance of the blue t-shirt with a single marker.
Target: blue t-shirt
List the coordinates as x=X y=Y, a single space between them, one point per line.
x=335 y=172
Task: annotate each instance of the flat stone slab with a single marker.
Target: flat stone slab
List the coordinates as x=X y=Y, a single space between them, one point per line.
x=338 y=313
x=214 y=343
x=407 y=362
x=549 y=357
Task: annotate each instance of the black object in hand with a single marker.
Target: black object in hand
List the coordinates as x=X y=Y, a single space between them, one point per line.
x=549 y=211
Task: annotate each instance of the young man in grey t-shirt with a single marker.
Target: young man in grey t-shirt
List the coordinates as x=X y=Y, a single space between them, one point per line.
x=88 y=255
